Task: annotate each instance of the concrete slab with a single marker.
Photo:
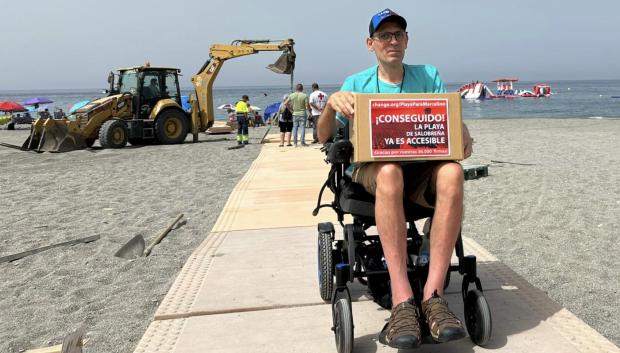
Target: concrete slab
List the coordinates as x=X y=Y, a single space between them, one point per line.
x=249 y=270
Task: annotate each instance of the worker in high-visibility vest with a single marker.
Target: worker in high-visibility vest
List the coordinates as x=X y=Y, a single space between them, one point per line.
x=242 y=108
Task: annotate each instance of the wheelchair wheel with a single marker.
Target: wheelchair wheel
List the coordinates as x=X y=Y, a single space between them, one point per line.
x=477 y=317
x=326 y=266
x=343 y=325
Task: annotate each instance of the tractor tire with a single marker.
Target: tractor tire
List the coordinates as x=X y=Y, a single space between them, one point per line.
x=113 y=134
x=171 y=127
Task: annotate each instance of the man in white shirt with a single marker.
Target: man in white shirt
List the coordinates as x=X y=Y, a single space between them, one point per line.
x=317 y=101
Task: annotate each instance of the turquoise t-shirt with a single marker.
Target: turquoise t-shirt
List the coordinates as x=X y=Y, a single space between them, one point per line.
x=417 y=79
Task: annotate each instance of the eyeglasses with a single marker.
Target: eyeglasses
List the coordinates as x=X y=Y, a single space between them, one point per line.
x=387 y=36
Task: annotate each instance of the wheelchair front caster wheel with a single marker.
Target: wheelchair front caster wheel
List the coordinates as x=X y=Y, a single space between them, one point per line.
x=343 y=325
x=477 y=317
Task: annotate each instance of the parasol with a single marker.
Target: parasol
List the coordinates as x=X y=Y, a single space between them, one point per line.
x=10 y=106
x=38 y=101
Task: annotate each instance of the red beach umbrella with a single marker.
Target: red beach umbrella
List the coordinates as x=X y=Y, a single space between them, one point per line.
x=9 y=106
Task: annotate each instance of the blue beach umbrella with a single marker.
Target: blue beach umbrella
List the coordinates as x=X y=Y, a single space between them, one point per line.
x=185 y=103
x=77 y=106
x=271 y=108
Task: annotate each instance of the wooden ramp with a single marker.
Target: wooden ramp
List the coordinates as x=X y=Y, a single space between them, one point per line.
x=251 y=286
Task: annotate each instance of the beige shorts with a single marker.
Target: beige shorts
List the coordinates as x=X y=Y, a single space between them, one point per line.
x=417 y=177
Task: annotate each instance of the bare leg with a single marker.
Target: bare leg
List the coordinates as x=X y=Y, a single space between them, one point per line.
x=288 y=138
x=448 y=181
x=281 y=138
x=390 y=219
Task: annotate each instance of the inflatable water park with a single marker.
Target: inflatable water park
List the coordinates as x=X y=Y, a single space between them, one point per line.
x=478 y=90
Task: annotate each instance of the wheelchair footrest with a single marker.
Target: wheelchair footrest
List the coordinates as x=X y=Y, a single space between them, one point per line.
x=475 y=171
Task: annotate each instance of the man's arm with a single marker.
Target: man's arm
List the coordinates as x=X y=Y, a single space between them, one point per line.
x=327 y=124
x=313 y=103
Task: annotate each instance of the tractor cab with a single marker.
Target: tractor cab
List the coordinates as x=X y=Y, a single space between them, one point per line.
x=147 y=85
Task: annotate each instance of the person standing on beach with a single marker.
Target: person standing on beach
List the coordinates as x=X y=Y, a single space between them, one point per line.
x=285 y=121
x=431 y=184
x=297 y=102
x=242 y=108
x=317 y=101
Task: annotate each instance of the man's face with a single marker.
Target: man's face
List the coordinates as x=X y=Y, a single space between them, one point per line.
x=391 y=51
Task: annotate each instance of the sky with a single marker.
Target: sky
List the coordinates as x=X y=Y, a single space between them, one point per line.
x=74 y=44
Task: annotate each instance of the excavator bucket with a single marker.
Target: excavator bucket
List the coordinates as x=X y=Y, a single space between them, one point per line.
x=49 y=135
x=285 y=63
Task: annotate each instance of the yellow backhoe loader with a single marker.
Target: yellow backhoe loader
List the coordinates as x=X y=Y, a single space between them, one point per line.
x=143 y=105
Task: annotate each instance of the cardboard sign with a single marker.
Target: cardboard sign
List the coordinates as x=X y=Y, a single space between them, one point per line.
x=407 y=127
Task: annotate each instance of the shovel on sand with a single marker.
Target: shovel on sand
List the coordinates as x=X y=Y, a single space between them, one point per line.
x=134 y=248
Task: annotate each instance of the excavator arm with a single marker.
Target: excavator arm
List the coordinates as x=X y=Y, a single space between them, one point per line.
x=202 y=100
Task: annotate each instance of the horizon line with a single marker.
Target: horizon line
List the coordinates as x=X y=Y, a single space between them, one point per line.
x=286 y=86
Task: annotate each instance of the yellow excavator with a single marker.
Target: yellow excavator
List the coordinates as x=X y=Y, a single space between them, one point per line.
x=143 y=105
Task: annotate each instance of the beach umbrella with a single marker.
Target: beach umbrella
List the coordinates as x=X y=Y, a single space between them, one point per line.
x=185 y=103
x=10 y=106
x=38 y=101
x=227 y=107
x=272 y=108
x=78 y=105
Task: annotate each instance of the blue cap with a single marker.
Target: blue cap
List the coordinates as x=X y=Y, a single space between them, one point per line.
x=383 y=16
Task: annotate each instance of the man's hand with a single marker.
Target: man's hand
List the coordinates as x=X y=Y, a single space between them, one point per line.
x=339 y=102
x=343 y=103
x=468 y=141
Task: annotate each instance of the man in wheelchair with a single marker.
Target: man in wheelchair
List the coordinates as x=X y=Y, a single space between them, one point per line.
x=436 y=185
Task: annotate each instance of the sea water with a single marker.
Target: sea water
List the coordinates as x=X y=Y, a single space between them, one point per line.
x=570 y=99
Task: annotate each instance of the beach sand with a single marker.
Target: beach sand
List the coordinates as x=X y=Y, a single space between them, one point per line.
x=553 y=219
x=50 y=198
x=555 y=222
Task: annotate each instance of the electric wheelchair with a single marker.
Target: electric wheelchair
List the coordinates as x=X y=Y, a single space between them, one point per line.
x=360 y=256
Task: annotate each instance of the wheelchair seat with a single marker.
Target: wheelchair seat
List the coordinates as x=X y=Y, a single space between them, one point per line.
x=355 y=200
